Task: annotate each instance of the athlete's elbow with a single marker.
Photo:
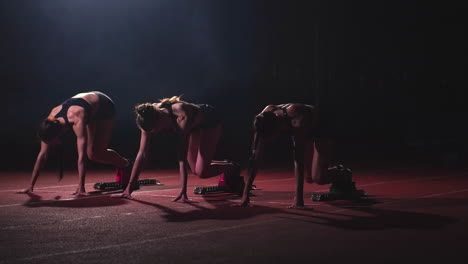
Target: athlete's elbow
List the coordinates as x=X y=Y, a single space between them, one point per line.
x=142 y=157
x=42 y=157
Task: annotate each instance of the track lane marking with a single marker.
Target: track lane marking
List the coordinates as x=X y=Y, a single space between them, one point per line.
x=140 y=192
x=170 y=189
x=70 y=185
x=206 y=231
x=441 y=194
x=412 y=199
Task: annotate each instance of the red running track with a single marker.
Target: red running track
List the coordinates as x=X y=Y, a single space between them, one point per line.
x=412 y=216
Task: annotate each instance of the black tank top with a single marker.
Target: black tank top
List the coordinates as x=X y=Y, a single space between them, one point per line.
x=73 y=101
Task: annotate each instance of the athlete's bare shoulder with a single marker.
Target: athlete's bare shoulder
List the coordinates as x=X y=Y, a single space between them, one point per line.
x=269 y=108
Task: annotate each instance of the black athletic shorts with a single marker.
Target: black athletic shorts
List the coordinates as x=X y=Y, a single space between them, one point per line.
x=106 y=107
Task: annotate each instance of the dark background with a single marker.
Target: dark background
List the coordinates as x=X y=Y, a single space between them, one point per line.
x=390 y=74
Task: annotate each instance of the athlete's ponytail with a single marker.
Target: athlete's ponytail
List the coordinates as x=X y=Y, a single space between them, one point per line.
x=49 y=129
x=171 y=100
x=147 y=116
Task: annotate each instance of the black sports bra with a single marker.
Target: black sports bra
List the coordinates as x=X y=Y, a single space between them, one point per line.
x=73 y=101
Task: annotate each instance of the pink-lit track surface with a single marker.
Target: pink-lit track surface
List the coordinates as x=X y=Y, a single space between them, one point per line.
x=412 y=216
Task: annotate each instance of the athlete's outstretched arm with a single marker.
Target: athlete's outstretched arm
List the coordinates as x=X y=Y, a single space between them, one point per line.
x=81 y=143
x=140 y=162
x=299 y=151
x=252 y=169
x=183 y=149
x=185 y=119
x=38 y=165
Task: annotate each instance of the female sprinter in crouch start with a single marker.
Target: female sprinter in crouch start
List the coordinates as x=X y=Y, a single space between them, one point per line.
x=312 y=145
x=199 y=128
x=90 y=116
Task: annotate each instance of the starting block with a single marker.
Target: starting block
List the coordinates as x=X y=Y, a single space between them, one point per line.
x=122 y=178
x=225 y=184
x=116 y=185
x=340 y=191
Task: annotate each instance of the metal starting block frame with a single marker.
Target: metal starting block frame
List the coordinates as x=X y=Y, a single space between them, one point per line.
x=236 y=186
x=331 y=196
x=211 y=189
x=217 y=188
x=116 y=185
x=336 y=193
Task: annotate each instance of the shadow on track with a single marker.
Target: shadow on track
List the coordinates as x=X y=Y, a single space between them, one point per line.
x=79 y=202
x=364 y=215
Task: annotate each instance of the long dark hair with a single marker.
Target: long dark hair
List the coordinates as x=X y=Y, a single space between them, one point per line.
x=49 y=129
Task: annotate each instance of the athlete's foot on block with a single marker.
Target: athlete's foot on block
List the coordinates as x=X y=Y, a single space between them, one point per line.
x=340 y=173
x=231 y=177
x=123 y=174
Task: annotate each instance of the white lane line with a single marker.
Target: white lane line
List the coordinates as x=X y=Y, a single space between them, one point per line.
x=75 y=219
x=128 y=213
x=384 y=182
x=170 y=189
x=407 y=180
x=364 y=185
x=196 y=198
x=140 y=242
x=288 y=179
x=9 y=205
x=53 y=201
x=71 y=185
x=83 y=218
x=441 y=194
x=47 y=187
x=230 y=201
x=290 y=203
x=137 y=193
x=201 y=231
x=134 y=213
x=411 y=199
x=162 y=195
x=76 y=199
x=86 y=197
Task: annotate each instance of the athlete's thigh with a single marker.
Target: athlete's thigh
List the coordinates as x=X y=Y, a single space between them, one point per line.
x=102 y=135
